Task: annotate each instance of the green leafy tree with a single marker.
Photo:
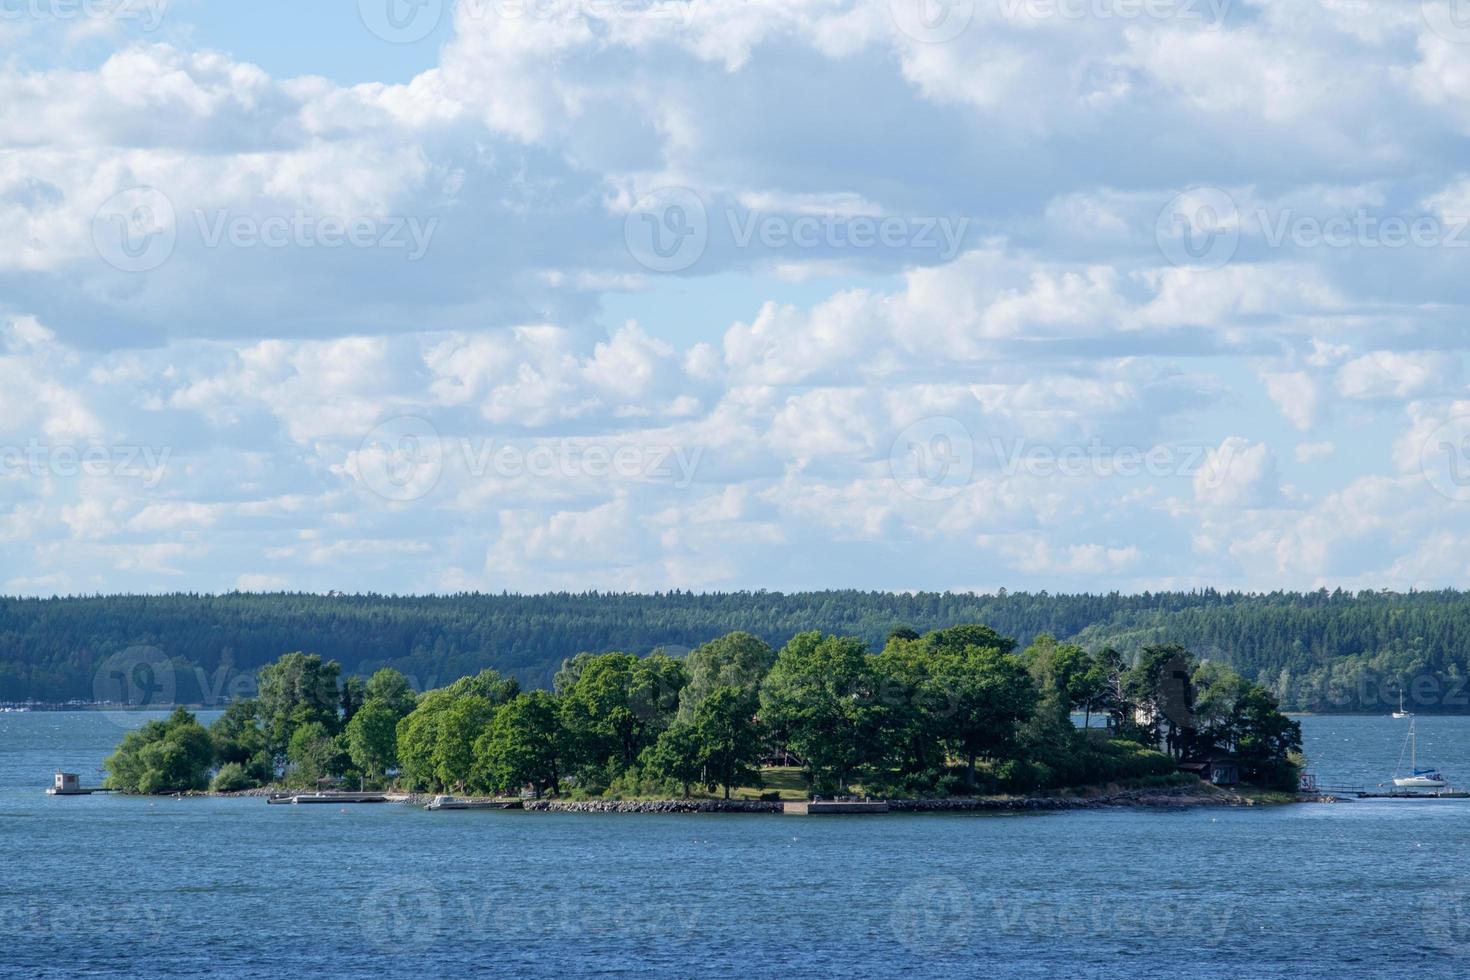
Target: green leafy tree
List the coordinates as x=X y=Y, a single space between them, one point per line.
x=990 y=694
x=728 y=737
x=740 y=660
x=372 y=738
x=525 y=743
x=392 y=689
x=619 y=703
x=295 y=691
x=460 y=727
x=819 y=699
x=313 y=754
x=162 y=757
x=353 y=696
x=676 y=756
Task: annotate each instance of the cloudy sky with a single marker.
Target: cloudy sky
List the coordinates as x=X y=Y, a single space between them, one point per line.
x=710 y=294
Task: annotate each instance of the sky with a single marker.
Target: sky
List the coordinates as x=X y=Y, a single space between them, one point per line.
x=527 y=295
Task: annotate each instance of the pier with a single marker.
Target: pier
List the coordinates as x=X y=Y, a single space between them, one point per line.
x=814 y=807
x=70 y=784
x=334 y=797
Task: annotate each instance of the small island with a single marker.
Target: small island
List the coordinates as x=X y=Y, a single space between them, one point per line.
x=940 y=720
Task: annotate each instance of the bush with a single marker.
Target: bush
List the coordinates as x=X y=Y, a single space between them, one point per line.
x=231 y=778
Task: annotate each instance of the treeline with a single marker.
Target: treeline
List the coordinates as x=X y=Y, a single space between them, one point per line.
x=1319 y=651
x=952 y=710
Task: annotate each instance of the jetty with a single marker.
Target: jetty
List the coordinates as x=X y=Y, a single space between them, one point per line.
x=329 y=797
x=70 y=784
x=811 y=808
x=473 y=803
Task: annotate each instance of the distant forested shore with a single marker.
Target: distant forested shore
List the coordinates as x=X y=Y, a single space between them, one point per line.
x=1316 y=651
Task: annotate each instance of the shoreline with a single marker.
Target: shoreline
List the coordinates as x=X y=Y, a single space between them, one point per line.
x=1165 y=798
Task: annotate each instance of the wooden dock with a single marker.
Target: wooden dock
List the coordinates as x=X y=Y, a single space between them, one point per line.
x=293 y=798
x=815 y=807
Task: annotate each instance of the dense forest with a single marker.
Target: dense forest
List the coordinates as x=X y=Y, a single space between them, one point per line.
x=1319 y=651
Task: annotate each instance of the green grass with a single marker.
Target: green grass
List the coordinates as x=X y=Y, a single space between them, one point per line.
x=786 y=780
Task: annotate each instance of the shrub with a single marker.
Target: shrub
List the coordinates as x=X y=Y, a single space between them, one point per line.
x=232 y=778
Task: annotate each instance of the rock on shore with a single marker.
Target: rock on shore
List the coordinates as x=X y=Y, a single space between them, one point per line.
x=653 y=806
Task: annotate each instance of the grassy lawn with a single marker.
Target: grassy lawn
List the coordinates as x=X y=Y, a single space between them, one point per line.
x=786 y=780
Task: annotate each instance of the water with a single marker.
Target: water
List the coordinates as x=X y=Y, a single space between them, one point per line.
x=111 y=886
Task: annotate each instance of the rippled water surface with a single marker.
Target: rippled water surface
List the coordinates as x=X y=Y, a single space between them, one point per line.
x=107 y=886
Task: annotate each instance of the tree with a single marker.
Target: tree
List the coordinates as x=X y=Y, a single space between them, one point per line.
x=728 y=738
x=353 y=695
x=162 y=757
x=392 y=688
x=740 y=660
x=460 y=726
x=990 y=694
x=675 y=756
x=618 y=704
x=238 y=740
x=297 y=690
x=313 y=753
x=525 y=743
x=819 y=698
x=372 y=738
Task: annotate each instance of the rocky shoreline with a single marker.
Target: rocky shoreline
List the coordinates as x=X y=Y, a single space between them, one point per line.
x=1159 y=798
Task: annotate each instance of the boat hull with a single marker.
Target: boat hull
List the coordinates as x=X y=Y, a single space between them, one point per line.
x=1419 y=782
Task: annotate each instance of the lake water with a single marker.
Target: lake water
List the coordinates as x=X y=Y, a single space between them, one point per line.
x=111 y=886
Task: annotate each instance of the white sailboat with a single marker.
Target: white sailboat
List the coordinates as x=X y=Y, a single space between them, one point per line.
x=1419 y=778
x=1401 y=713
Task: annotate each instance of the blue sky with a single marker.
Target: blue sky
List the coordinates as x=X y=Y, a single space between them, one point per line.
x=711 y=294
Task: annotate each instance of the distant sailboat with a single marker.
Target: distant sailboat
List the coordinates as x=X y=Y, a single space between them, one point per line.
x=1420 y=778
x=1401 y=713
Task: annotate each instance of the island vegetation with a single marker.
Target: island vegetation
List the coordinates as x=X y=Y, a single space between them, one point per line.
x=956 y=711
x=1316 y=651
